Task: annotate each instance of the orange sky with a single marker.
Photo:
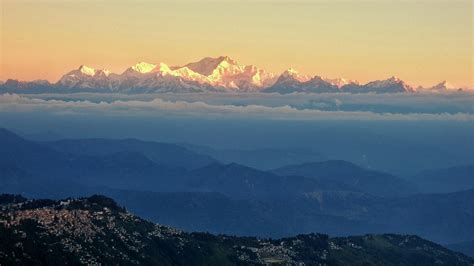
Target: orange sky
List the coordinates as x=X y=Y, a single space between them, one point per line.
x=422 y=42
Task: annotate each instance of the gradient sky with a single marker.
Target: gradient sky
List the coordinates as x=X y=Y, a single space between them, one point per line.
x=422 y=42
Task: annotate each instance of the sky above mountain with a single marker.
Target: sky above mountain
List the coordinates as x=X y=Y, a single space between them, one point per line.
x=419 y=41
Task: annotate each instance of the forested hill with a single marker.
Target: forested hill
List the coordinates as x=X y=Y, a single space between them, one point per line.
x=96 y=230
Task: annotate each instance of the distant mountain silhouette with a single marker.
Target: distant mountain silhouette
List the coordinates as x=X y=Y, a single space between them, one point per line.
x=263 y=158
x=446 y=180
x=466 y=248
x=240 y=181
x=343 y=172
x=335 y=197
x=332 y=212
x=161 y=153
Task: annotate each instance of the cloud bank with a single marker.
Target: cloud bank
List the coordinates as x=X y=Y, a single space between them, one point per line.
x=160 y=107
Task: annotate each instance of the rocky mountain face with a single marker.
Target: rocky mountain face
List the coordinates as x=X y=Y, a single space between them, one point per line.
x=95 y=230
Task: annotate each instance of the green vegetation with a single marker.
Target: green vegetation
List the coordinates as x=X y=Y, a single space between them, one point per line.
x=96 y=230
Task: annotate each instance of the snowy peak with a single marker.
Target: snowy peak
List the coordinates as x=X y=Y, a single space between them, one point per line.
x=226 y=67
x=380 y=83
x=226 y=72
x=289 y=82
x=188 y=74
x=86 y=71
x=293 y=74
x=339 y=82
x=143 y=67
x=39 y=82
x=207 y=65
x=318 y=80
x=290 y=72
x=86 y=77
x=392 y=84
x=394 y=80
x=163 y=69
x=442 y=86
x=102 y=72
x=89 y=71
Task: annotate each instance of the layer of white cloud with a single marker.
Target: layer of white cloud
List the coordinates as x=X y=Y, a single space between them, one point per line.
x=161 y=107
x=450 y=102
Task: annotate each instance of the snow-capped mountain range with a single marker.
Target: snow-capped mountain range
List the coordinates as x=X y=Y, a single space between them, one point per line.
x=220 y=74
x=215 y=74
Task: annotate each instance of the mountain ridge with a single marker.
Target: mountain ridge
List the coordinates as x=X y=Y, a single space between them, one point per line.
x=276 y=205
x=210 y=74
